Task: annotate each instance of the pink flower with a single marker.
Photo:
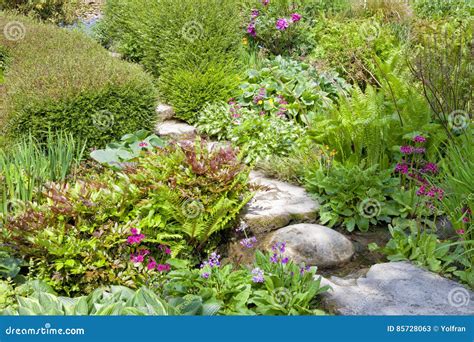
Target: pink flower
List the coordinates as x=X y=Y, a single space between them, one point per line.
x=251 y=30
x=430 y=167
x=406 y=149
x=419 y=139
x=163 y=267
x=419 y=150
x=460 y=231
x=151 y=264
x=282 y=24
x=421 y=191
x=135 y=238
x=255 y=13
x=137 y=258
x=143 y=144
x=134 y=231
x=265 y=2
x=295 y=17
x=465 y=219
x=402 y=168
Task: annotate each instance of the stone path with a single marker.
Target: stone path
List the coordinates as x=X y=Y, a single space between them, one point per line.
x=282 y=212
x=278 y=204
x=397 y=288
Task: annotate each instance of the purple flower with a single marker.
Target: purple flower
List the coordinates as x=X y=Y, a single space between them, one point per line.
x=295 y=17
x=248 y=242
x=282 y=24
x=255 y=13
x=304 y=269
x=251 y=30
x=430 y=167
x=274 y=258
x=402 y=168
x=205 y=275
x=419 y=139
x=419 y=150
x=421 y=191
x=406 y=149
x=137 y=258
x=279 y=247
x=213 y=261
x=284 y=260
x=257 y=275
x=265 y=2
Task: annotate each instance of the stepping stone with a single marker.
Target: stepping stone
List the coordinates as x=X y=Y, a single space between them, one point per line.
x=397 y=288
x=164 y=112
x=312 y=244
x=277 y=204
x=174 y=129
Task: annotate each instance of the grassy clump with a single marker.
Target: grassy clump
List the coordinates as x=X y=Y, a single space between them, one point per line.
x=77 y=87
x=192 y=47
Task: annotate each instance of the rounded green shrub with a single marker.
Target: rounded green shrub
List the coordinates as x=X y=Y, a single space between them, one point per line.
x=192 y=47
x=61 y=80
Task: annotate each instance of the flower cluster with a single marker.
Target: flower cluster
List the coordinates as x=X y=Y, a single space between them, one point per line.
x=248 y=242
x=213 y=261
x=140 y=255
x=416 y=168
x=136 y=238
x=281 y=23
x=258 y=275
x=278 y=251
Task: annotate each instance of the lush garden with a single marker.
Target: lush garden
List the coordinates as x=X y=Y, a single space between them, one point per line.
x=366 y=105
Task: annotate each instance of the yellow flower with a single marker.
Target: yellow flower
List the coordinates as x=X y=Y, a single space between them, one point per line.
x=333 y=153
x=245 y=41
x=260 y=102
x=271 y=101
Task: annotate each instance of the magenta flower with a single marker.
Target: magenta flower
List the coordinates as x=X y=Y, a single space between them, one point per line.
x=430 y=168
x=135 y=238
x=419 y=139
x=419 y=150
x=251 y=30
x=265 y=2
x=163 y=267
x=137 y=258
x=282 y=24
x=402 y=168
x=421 y=191
x=255 y=13
x=465 y=219
x=295 y=17
x=406 y=149
x=151 y=264
x=143 y=144
x=460 y=231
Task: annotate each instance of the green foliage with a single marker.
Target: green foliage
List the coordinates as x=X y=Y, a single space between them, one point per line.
x=179 y=196
x=443 y=8
x=293 y=40
x=197 y=52
x=26 y=166
x=370 y=125
x=352 y=196
x=126 y=27
x=9 y=266
x=130 y=147
x=348 y=46
x=77 y=87
x=289 y=88
x=111 y=301
x=288 y=289
x=285 y=289
x=426 y=250
x=259 y=135
x=55 y=11
x=191 y=46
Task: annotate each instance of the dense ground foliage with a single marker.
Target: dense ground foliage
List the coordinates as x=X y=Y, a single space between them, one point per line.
x=365 y=104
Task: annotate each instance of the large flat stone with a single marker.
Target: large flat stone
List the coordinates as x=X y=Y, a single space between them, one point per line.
x=164 y=112
x=397 y=288
x=278 y=204
x=174 y=129
x=312 y=244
